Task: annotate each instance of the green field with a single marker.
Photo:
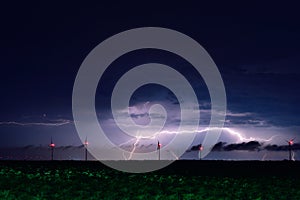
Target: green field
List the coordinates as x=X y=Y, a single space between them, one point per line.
x=79 y=180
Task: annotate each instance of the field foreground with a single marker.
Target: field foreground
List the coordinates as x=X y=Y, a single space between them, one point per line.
x=181 y=180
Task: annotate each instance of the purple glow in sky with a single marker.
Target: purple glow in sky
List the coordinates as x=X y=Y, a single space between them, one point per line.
x=257 y=56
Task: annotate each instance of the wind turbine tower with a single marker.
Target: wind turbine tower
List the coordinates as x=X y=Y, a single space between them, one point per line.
x=158 y=149
x=200 y=152
x=52 y=145
x=86 y=143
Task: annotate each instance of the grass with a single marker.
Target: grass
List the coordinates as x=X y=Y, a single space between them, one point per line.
x=79 y=181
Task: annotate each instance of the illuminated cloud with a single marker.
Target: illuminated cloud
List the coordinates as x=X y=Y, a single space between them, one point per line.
x=236 y=114
x=58 y=122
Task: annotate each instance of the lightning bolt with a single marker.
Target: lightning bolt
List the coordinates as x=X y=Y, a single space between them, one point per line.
x=134 y=147
x=229 y=130
x=120 y=145
x=241 y=138
x=263 y=158
x=293 y=156
x=137 y=139
x=173 y=154
x=157 y=134
x=124 y=156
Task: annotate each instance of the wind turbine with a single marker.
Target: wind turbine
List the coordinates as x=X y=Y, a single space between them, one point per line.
x=200 y=151
x=290 y=142
x=158 y=149
x=85 y=145
x=52 y=145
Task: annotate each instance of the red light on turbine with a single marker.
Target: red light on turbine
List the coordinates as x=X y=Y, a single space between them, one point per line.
x=86 y=143
x=201 y=148
x=52 y=145
x=291 y=142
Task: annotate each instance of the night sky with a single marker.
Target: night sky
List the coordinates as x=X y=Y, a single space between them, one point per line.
x=255 y=47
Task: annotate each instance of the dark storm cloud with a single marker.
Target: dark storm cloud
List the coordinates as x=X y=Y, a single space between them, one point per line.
x=196 y=147
x=248 y=146
x=139 y=115
x=274 y=147
x=221 y=146
x=29 y=147
x=63 y=148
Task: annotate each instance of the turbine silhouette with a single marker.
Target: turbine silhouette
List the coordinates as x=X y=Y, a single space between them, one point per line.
x=200 y=151
x=52 y=145
x=85 y=145
x=158 y=149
